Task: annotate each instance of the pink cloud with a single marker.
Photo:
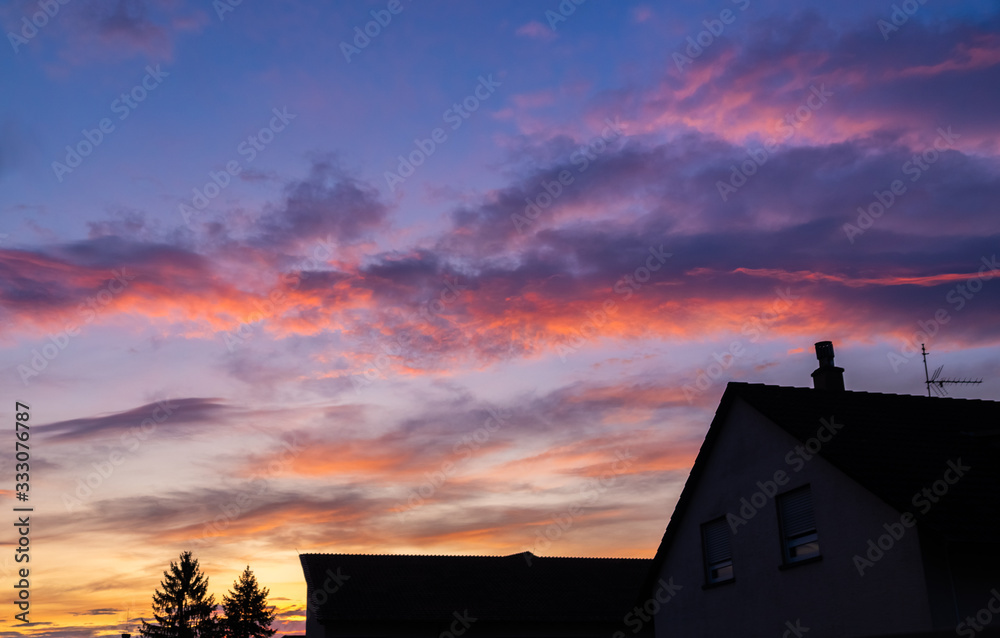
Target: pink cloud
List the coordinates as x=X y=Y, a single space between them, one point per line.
x=536 y=30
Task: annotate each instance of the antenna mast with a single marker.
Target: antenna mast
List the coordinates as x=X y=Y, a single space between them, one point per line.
x=127 y=625
x=927 y=378
x=934 y=383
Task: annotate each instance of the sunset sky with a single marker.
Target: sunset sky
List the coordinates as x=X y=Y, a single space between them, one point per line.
x=271 y=284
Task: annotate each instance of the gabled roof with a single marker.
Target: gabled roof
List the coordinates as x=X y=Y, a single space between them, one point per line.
x=892 y=445
x=520 y=587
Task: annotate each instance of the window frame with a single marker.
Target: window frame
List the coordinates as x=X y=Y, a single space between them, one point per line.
x=711 y=569
x=789 y=542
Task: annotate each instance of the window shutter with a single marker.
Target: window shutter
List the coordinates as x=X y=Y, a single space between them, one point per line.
x=796 y=513
x=717 y=547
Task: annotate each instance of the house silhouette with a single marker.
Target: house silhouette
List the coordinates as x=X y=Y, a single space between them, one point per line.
x=825 y=512
x=451 y=596
x=808 y=511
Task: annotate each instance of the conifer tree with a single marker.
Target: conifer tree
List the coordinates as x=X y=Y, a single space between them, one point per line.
x=247 y=613
x=182 y=607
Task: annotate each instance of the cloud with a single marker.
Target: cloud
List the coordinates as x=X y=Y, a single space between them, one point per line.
x=641 y=13
x=172 y=412
x=127 y=22
x=327 y=203
x=64 y=631
x=536 y=30
x=480 y=291
x=192 y=518
x=743 y=88
x=92 y=278
x=489 y=288
x=105 y=30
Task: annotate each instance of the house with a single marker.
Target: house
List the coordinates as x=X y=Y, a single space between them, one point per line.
x=826 y=512
x=448 y=596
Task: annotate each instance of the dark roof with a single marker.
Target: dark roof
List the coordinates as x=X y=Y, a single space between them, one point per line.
x=520 y=587
x=893 y=445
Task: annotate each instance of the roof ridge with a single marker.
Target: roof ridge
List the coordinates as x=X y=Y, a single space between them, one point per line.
x=886 y=394
x=473 y=556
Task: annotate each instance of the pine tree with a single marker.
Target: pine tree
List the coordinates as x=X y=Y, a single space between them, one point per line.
x=182 y=607
x=247 y=613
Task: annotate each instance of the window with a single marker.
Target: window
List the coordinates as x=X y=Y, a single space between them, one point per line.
x=718 y=553
x=798 y=526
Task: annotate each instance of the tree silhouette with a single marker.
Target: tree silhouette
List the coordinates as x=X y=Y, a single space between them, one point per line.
x=247 y=613
x=183 y=609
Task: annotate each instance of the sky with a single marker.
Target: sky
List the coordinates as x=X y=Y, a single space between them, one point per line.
x=455 y=278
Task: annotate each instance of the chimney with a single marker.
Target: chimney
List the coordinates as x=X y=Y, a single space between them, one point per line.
x=827 y=376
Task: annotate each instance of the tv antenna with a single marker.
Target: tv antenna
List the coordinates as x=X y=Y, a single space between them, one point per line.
x=935 y=383
x=127 y=625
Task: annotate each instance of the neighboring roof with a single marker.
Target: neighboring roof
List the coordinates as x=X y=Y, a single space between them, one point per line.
x=984 y=632
x=520 y=587
x=893 y=445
